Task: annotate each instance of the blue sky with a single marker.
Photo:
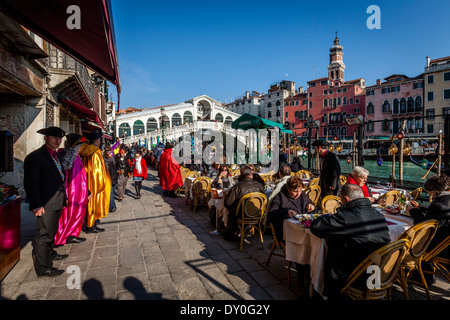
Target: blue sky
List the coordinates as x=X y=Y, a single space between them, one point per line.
x=171 y=51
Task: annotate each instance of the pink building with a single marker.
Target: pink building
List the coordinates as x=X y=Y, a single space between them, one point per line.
x=389 y=102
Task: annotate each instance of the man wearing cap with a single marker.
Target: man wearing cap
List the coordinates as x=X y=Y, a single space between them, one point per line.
x=330 y=169
x=73 y=215
x=44 y=183
x=99 y=182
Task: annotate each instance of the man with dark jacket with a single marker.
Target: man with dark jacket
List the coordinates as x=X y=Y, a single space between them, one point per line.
x=44 y=183
x=352 y=234
x=111 y=164
x=330 y=169
x=243 y=187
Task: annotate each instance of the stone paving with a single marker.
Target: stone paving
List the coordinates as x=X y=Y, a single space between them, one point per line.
x=156 y=248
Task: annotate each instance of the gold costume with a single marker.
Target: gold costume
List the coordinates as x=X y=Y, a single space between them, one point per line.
x=99 y=183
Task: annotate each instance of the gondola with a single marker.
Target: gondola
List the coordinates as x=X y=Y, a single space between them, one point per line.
x=428 y=164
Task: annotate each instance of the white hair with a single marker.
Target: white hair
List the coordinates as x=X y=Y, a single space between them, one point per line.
x=360 y=171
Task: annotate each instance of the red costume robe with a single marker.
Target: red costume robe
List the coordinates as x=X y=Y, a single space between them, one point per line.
x=169 y=175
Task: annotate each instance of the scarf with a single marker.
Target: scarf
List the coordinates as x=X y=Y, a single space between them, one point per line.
x=138 y=165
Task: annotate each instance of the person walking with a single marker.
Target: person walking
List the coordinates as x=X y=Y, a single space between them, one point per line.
x=124 y=171
x=330 y=170
x=44 y=183
x=139 y=172
x=111 y=165
x=99 y=182
x=77 y=190
x=170 y=174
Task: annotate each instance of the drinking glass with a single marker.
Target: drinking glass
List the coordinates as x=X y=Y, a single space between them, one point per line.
x=378 y=184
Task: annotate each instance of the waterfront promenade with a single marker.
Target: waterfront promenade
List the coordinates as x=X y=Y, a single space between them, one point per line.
x=156 y=248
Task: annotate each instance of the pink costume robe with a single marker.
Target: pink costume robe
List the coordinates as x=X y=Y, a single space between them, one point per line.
x=72 y=217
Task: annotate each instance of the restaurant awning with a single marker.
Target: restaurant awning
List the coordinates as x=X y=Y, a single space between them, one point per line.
x=93 y=44
x=83 y=112
x=250 y=121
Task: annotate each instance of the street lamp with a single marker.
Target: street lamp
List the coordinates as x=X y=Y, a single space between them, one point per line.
x=163 y=116
x=311 y=125
x=359 y=121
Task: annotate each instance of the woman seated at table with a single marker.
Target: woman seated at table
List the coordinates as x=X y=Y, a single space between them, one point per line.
x=359 y=176
x=288 y=202
x=439 y=209
x=213 y=170
x=223 y=179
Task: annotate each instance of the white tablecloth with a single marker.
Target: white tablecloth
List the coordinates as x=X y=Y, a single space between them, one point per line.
x=377 y=192
x=305 y=248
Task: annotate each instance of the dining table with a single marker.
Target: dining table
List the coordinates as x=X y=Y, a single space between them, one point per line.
x=377 y=191
x=305 y=248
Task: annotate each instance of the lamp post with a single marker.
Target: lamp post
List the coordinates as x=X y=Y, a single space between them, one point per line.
x=359 y=121
x=311 y=124
x=163 y=115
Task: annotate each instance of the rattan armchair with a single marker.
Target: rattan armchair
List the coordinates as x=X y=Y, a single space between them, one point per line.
x=313 y=192
x=388 y=260
x=420 y=237
x=201 y=188
x=438 y=263
x=390 y=197
x=249 y=212
x=330 y=203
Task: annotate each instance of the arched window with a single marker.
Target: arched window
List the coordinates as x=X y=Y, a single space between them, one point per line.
x=269 y=105
x=138 y=127
x=228 y=120
x=418 y=107
x=370 y=108
x=410 y=108
x=310 y=104
x=325 y=102
x=152 y=125
x=278 y=103
x=219 y=117
x=386 y=106
x=344 y=131
x=187 y=116
x=403 y=105
x=396 y=108
x=124 y=128
x=176 y=119
x=269 y=114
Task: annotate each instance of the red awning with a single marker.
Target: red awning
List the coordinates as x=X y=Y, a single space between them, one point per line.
x=93 y=44
x=84 y=112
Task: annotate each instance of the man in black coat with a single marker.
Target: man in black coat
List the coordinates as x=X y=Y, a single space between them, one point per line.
x=352 y=234
x=45 y=188
x=244 y=186
x=330 y=170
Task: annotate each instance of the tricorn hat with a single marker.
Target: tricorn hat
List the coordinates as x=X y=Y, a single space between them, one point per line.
x=74 y=139
x=52 y=131
x=94 y=135
x=320 y=143
x=169 y=145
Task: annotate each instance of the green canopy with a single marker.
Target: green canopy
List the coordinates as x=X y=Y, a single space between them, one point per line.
x=249 y=121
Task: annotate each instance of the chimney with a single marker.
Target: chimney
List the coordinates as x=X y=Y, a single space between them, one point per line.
x=247 y=94
x=378 y=82
x=428 y=62
x=300 y=89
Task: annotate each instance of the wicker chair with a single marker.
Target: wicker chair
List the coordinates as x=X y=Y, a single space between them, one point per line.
x=201 y=189
x=438 y=263
x=314 y=182
x=193 y=174
x=279 y=246
x=303 y=174
x=313 y=192
x=420 y=237
x=416 y=193
x=184 y=172
x=388 y=259
x=331 y=203
x=390 y=197
x=249 y=212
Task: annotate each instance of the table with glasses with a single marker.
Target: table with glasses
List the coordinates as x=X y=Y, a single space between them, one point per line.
x=303 y=247
x=377 y=191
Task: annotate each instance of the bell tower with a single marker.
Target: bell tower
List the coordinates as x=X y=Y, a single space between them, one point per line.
x=336 y=68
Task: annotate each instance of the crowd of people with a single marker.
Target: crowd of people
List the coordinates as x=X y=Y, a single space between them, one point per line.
x=71 y=189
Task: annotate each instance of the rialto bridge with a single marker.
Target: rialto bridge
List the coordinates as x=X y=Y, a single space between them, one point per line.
x=172 y=122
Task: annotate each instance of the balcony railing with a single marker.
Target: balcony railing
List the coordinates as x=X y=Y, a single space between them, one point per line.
x=60 y=60
x=436 y=68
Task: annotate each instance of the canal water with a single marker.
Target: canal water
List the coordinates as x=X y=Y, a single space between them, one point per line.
x=412 y=174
